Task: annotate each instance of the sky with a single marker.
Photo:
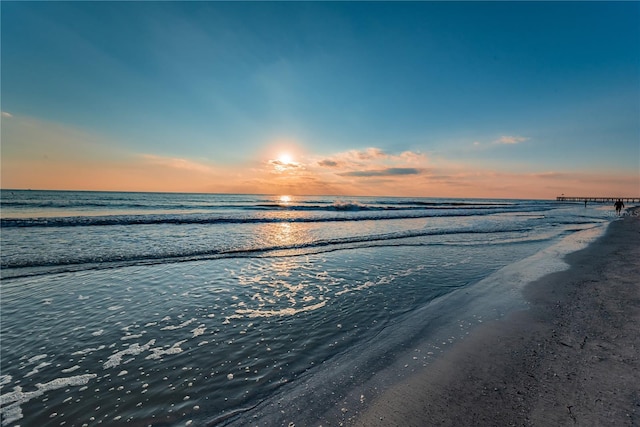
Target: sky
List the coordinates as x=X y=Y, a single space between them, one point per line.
x=411 y=99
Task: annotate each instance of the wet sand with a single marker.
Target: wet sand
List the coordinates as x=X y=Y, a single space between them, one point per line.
x=572 y=359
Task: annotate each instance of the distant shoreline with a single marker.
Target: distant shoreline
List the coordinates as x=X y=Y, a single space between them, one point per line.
x=571 y=359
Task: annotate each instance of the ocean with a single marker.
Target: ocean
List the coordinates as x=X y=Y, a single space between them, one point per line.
x=208 y=309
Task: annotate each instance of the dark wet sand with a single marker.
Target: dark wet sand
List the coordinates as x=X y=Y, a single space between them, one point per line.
x=572 y=359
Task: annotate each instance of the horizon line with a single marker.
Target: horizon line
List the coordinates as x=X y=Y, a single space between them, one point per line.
x=273 y=194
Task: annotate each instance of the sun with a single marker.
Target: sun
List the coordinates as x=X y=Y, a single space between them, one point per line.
x=285 y=158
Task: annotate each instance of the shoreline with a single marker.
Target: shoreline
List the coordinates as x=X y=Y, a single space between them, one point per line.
x=572 y=358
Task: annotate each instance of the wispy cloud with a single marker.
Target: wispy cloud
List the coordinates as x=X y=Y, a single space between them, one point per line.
x=177 y=163
x=7 y=115
x=370 y=154
x=506 y=139
x=383 y=172
x=372 y=158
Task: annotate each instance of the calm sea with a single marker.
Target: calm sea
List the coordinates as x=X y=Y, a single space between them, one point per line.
x=202 y=309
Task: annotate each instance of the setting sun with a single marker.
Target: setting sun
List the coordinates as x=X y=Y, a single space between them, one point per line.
x=285 y=158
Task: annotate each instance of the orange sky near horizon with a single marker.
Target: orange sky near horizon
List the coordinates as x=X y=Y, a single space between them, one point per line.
x=40 y=155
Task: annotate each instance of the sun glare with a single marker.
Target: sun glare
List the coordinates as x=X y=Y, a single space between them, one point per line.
x=285 y=158
x=285 y=199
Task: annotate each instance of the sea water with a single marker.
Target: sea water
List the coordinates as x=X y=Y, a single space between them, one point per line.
x=202 y=309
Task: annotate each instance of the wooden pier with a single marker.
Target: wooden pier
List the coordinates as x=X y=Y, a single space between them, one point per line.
x=564 y=198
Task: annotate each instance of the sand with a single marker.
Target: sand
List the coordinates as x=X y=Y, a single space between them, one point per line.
x=572 y=359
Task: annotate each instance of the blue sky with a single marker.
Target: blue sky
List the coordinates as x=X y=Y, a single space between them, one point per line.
x=517 y=89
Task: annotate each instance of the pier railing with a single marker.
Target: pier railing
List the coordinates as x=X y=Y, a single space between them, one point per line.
x=598 y=199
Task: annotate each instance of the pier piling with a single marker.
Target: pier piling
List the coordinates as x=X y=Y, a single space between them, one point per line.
x=597 y=199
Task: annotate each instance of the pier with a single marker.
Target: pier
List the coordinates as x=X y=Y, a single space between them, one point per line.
x=564 y=198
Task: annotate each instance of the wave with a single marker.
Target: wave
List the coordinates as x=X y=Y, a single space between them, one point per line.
x=335 y=206
x=342 y=213
x=88 y=206
x=354 y=205
x=266 y=205
x=16 y=269
x=446 y=204
x=21 y=201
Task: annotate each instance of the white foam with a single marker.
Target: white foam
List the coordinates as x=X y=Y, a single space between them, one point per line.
x=134 y=349
x=182 y=325
x=158 y=352
x=199 y=331
x=36 y=369
x=381 y=281
x=36 y=358
x=251 y=313
x=131 y=337
x=87 y=351
x=5 y=379
x=10 y=402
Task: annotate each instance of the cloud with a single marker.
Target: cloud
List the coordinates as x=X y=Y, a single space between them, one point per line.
x=411 y=157
x=176 y=163
x=328 y=163
x=370 y=154
x=6 y=114
x=282 y=166
x=368 y=164
x=372 y=158
x=373 y=154
x=383 y=172
x=511 y=139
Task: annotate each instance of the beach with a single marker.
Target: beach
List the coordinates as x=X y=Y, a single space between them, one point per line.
x=196 y=309
x=572 y=358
